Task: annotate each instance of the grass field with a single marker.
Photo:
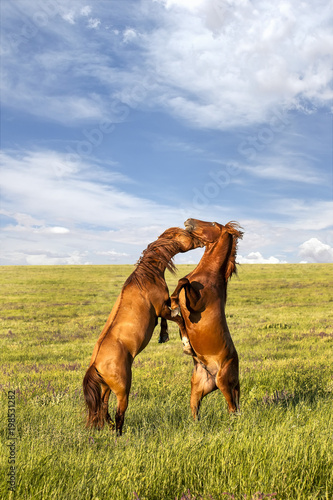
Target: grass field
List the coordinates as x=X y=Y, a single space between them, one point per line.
x=280 y=447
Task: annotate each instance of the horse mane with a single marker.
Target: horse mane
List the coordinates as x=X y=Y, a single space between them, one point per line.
x=234 y=229
x=162 y=251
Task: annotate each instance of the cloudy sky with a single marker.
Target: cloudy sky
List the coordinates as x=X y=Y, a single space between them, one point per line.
x=121 y=119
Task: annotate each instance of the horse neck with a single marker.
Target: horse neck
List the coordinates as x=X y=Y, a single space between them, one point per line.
x=216 y=256
x=158 y=266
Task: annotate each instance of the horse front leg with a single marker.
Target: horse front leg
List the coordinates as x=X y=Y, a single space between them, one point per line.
x=175 y=308
x=164 y=333
x=195 y=301
x=166 y=314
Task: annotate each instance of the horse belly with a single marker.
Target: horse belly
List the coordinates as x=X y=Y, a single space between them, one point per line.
x=136 y=332
x=206 y=345
x=210 y=337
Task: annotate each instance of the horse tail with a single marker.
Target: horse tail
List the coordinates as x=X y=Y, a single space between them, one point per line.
x=93 y=397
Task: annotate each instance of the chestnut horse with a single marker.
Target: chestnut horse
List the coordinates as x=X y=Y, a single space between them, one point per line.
x=201 y=298
x=144 y=297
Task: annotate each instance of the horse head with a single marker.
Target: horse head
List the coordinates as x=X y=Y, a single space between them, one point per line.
x=213 y=234
x=206 y=232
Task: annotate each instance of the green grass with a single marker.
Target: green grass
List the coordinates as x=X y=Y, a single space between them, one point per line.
x=280 y=447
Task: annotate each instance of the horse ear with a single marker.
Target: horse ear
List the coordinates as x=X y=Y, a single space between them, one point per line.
x=234 y=229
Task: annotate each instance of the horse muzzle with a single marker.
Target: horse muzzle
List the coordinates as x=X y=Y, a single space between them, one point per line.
x=189 y=225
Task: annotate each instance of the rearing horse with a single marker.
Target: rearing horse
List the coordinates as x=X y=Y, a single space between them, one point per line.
x=144 y=297
x=201 y=298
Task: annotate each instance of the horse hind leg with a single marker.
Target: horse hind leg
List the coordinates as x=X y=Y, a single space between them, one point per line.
x=120 y=413
x=117 y=375
x=236 y=395
x=121 y=388
x=120 y=385
x=228 y=382
x=202 y=383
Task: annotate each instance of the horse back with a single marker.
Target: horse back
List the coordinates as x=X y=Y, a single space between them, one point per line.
x=106 y=327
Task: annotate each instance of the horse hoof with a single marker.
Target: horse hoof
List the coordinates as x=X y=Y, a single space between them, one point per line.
x=235 y=414
x=175 y=312
x=164 y=338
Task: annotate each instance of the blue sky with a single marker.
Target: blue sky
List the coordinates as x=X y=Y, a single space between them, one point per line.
x=121 y=119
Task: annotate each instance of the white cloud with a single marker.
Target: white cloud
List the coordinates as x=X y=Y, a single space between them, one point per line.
x=285 y=222
x=304 y=215
x=191 y=257
x=224 y=64
x=314 y=250
x=85 y=11
x=113 y=253
x=94 y=23
x=35 y=228
x=216 y=64
x=57 y=230
x=186 y=4
x=76 y=12
x=279 y=240
x=46 y=182
x=257 y=258
x=129 y=35
x=51 y=204
x=53 y=208
x=47 y=260
x=284 y=169
x=69 y=17
x=47 y=99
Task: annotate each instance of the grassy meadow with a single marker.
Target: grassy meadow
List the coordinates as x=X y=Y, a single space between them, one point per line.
x=280 y=447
